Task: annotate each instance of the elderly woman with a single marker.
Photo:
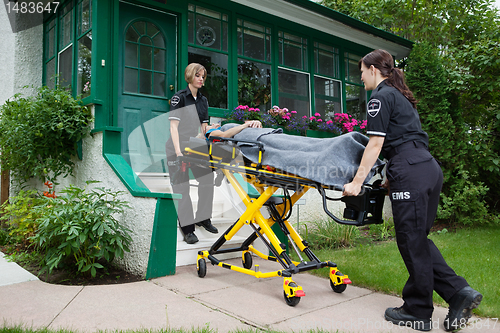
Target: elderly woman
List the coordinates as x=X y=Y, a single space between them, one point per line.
x=215 y=129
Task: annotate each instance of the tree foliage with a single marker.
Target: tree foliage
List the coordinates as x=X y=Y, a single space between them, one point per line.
x=454 y=70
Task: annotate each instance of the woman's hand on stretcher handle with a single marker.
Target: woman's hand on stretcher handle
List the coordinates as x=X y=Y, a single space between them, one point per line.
x=234 y=130
x=370 y=155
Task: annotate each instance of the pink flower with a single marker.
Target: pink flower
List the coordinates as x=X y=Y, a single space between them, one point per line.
x=329 y=122
x=319 y=120
x=293 y=112
x=312 y=118
x=317 y=114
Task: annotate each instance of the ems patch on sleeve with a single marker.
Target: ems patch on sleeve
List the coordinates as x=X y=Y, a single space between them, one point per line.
x=374 y=107
x=175 y=100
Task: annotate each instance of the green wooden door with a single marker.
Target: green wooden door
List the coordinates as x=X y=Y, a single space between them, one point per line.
x=147 y=76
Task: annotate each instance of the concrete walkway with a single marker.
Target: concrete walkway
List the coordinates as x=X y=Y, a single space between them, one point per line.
x=223 y=301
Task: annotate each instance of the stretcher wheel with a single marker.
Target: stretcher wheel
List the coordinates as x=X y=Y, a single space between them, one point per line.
x=340 y=288
x=291 y=301
x=247 y=260
x=202 y=268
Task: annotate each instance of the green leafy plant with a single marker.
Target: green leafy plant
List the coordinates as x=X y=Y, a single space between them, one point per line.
x=39 y=134
x=20 y=218
x=328 y=234
x=383 y=231
x=80 y=228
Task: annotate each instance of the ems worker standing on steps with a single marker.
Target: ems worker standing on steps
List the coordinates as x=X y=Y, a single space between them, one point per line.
x=189 y=112
x=414 y=179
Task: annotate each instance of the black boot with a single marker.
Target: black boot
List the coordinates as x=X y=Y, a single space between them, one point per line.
x=399 y=316
x=460 y=308
x=207 y=224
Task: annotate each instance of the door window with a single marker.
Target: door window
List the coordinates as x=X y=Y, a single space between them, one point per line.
x=145 y=57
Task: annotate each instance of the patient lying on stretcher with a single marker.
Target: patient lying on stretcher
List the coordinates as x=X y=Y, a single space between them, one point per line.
x=330 y=161
x=215 y=129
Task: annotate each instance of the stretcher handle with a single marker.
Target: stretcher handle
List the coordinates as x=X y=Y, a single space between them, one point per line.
x=358 y=222
x=341 y=189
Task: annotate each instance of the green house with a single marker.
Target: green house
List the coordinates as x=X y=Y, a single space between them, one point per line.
x=127 y=59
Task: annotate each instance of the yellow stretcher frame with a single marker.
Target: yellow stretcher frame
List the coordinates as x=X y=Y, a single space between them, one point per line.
x=266 y=181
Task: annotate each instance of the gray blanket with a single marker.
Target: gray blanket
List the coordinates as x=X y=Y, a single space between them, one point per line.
x=330 y=161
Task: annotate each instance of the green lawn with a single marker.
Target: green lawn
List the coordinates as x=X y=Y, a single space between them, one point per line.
x=472 y=253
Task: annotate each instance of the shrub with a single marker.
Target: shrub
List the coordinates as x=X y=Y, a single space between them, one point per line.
x=39 y=134
x=384 y=231
x=465 y=203
x=20 y=218
x=80 y=227
x=451 y=140
x=328 y=234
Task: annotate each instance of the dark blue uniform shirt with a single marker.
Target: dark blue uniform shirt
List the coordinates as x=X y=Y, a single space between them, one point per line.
x=189 y=120
x=391 y=115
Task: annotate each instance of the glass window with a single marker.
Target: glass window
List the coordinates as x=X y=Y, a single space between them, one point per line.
x=356 y=101
x=254 y=41
x=208 y=45
x=294 y=91
x=66 y=25
x=326 y=59
x=145 y=59
x=65 y=69
x=49 y=53
x=84 y=64
x=292 y=51
x=352 y=72
x=68 y=47
x=84 y=16
x=207 y=28
x=215 y=88
x=254 y=84
x=327 y=97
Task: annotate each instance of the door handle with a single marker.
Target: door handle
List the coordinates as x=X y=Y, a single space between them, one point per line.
x=172 y=87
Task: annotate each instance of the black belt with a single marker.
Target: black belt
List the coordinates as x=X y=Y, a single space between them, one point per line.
x=405 y=146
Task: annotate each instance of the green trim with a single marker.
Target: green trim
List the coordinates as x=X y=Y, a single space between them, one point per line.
x=106 y=128
x=163 y=248
x=111 y=143
x=352 y=22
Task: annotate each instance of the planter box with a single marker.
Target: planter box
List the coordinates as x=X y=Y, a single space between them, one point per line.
x=319 y=134
x=224 y=122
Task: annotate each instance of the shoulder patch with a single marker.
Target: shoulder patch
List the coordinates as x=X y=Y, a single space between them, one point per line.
x=374 y=107
x=175 y=100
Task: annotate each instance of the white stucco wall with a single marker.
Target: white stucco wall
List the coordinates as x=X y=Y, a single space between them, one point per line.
x=28 y=60
x=7 y=56
x=139 y=218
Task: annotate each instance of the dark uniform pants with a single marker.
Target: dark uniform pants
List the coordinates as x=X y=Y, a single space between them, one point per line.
x=180 y=184
x=415 y=180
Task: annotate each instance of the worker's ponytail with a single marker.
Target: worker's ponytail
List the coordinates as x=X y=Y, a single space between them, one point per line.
x=383 y=61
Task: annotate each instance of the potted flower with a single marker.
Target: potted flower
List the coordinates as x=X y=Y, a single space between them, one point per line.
x=348 y=123
x=313 y=126
x=328 y=129
x=285 y=119
x=241 y=113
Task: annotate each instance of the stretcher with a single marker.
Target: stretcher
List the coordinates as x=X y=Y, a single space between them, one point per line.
x=223 y=156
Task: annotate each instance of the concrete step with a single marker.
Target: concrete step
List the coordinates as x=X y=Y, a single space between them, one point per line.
x=187 y=253
x=227 y=208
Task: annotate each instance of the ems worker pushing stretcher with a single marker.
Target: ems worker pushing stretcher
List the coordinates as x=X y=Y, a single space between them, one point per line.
x=414 y=180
